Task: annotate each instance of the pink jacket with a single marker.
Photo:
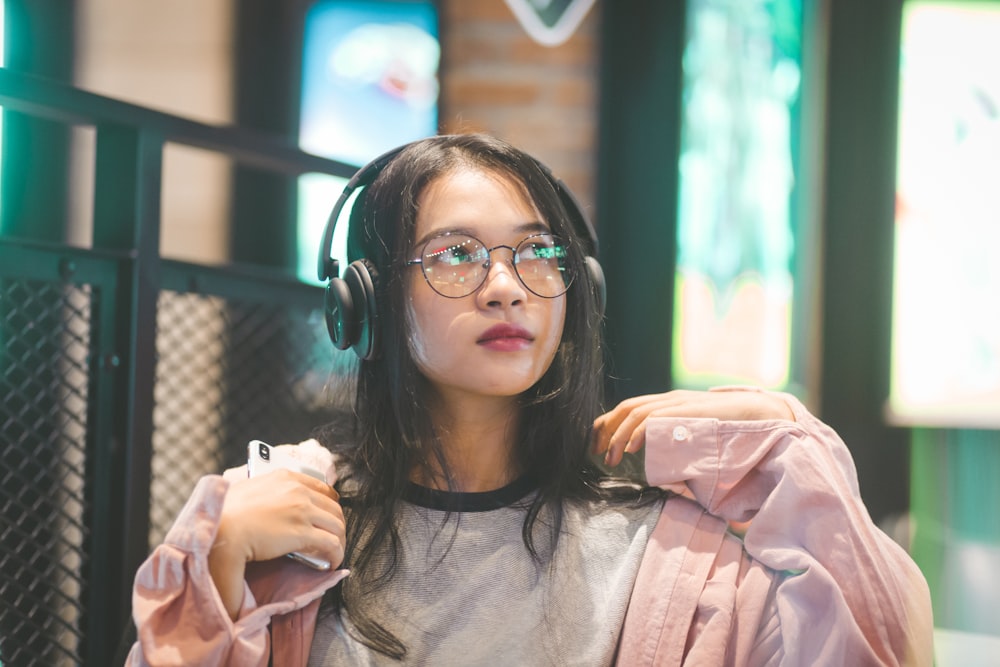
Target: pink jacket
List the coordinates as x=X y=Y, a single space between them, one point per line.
x=845 y=593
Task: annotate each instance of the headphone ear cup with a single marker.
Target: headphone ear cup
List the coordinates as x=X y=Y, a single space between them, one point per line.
x=597 y=279
x=341 y=322
x=361 y=279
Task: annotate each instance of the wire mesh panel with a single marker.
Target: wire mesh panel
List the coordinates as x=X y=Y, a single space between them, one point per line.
x=75 y=376
x=228 y=372
x=44 y=356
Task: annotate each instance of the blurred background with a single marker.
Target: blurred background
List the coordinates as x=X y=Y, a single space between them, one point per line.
x=797 y=194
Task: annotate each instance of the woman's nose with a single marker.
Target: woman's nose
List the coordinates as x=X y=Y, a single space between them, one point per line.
x=502 y=287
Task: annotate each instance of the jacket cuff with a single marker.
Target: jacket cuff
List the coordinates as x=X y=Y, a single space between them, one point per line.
x=678 y=450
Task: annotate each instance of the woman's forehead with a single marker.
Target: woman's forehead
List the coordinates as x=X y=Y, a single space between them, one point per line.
x=471 y=200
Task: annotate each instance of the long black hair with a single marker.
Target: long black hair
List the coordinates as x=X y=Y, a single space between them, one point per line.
x=392 y=433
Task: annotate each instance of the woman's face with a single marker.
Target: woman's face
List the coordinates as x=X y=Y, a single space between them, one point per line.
x=499 y=340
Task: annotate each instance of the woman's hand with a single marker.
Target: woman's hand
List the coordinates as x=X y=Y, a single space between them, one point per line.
x=269 y=516
x=623 y=429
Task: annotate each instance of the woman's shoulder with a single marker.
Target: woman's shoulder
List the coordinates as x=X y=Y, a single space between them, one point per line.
x=612 y=510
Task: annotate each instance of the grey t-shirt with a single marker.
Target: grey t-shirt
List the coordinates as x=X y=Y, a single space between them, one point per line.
x=467 y=591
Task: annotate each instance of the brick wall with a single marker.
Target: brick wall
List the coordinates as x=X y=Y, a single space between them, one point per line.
x=496 y=79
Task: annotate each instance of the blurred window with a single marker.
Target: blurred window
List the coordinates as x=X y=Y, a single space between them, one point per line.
x=737 y=211
x=946 y=309
x=369 y=83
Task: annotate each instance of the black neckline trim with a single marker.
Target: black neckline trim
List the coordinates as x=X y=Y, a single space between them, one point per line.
x=480 y=501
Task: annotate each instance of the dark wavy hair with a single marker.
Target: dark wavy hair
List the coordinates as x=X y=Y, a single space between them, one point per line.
x=391 y=433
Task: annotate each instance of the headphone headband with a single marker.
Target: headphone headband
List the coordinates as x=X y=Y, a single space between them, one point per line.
x=328 y=267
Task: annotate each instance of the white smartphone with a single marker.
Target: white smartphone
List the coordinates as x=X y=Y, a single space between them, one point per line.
x=261 y=459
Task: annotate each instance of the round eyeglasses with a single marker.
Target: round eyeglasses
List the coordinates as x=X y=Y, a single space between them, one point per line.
x=455 y=265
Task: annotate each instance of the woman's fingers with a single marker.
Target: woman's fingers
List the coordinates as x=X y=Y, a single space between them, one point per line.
x=316 y=485
x=281 y=512
x=324 y=539
x=624 y=427
x=608 y=424
x=630 y=434
x=325 y=532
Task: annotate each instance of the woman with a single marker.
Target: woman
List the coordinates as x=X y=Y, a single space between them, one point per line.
x=476 y=525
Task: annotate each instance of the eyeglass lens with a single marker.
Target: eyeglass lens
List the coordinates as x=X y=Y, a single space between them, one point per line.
x=456 y=265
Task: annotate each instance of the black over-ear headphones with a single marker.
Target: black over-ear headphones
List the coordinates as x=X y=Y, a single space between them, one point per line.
x=350 y=307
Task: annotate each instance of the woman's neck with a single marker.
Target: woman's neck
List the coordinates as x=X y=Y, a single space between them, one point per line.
x=477 y=437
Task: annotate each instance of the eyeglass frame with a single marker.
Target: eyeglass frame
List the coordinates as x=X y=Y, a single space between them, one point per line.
x=489 y=262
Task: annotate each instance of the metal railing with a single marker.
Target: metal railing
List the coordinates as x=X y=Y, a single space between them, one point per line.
x=125 y=376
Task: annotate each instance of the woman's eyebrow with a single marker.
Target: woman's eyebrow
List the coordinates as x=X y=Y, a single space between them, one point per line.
x=533 y=227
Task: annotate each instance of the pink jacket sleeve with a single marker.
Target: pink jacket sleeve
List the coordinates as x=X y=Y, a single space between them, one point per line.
x=847 y=594
x=178 y=613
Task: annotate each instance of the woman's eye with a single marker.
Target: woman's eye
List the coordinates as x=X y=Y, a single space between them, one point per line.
x=459 y=255
x=455 y=254
x=542 y=252
x=453 y=257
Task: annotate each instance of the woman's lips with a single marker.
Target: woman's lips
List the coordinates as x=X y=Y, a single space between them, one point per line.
x=505 y=338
